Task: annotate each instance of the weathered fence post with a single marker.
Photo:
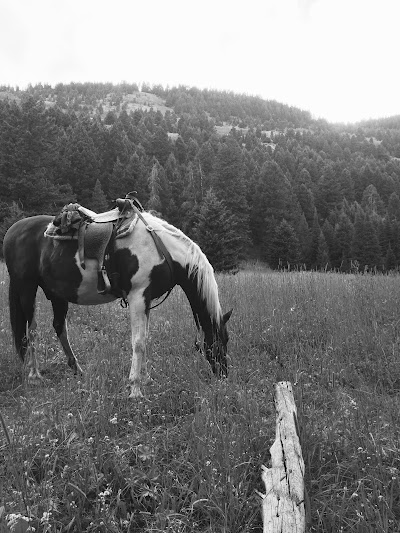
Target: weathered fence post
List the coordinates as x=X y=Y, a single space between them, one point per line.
x=283 y=508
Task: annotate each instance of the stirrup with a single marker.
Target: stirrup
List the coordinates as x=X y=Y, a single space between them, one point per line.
x=103 y=282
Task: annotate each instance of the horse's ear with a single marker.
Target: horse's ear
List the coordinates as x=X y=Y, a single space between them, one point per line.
x=227 y=316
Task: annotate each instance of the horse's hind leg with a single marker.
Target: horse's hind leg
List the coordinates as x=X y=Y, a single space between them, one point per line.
x=23 y=323
x=60 y=309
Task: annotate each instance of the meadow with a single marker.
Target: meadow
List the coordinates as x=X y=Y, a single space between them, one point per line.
x=77 y=455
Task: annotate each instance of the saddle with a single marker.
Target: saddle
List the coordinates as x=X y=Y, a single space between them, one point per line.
x=96 y=234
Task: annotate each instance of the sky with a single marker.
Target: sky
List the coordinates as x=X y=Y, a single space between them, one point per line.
x=338 y=59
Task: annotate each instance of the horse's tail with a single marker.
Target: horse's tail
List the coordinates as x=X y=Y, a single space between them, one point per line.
x=18 y=319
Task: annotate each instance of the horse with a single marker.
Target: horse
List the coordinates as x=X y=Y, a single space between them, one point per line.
x=145 y=274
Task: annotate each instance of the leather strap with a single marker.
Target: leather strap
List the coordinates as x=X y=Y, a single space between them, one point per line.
x=162 y=249
x=81 y=243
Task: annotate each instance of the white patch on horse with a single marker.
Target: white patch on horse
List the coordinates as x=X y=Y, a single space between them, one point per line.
x=31 y=358
x=139 y=327
x=188 y=254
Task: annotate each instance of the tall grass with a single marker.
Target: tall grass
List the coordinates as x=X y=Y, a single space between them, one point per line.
x=82 y=457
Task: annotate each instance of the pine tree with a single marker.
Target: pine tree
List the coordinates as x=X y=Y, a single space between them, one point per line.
x=371 y=202
x=329 y=195
x=394 y=207
x=79 y=161
x=160 y=145
x=304 y=237
x=216 y=233
x=315 y=241
x=136 y=177
x=346 y=185
x=343 y=238
x=365 y=245
x=329 y=236
x=284 y=248
x=322 y=260
x=372 y=251
x=116 y=185
x=176 y=183
x=110 y=118
x=390 y=259
x=98 y=202
x=154 y=202
x=229 y=185
x=180 y=150
x=357 y=245
x=273 y=201
x=305 y=179
x=306 y=201
x=207 y=157
x=192 y=197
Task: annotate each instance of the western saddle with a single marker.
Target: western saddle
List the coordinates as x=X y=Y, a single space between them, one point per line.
x=96 y=234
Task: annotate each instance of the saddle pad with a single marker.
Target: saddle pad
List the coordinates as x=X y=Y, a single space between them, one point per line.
x=127 y=227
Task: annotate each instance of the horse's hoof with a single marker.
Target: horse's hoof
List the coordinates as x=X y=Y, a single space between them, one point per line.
x=135 y=392
x=136 y=395
x=75 y=367
x=35 y=376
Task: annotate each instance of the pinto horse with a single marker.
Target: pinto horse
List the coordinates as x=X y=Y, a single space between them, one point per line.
x=34 y=260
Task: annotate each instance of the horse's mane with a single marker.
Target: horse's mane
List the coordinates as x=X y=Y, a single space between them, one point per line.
x=197 y=265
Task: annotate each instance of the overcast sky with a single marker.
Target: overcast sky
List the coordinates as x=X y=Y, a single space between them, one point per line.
x=339 y=59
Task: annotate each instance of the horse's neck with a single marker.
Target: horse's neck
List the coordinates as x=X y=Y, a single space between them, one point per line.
x=205 y=318
x=195 y=275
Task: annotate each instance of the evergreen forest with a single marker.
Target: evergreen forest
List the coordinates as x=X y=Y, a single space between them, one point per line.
x=246 y=178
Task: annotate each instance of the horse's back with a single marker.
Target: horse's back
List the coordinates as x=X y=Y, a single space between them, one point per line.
x=23 y=244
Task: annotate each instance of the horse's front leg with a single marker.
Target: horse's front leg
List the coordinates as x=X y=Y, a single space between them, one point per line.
x=60 y=310
x=138 y=315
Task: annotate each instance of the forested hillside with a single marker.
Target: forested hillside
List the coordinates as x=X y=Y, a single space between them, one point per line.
x=242 y=176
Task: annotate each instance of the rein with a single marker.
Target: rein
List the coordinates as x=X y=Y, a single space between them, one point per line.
x=162 y=249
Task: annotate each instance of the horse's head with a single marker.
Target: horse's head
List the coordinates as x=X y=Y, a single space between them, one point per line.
x=215 y=347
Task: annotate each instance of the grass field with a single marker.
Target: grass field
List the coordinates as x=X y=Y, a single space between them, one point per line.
x=79 y=456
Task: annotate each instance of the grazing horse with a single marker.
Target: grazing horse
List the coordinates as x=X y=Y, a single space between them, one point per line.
x=35 y=260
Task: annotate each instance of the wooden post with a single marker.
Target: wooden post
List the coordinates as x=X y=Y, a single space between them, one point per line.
x=283 y=507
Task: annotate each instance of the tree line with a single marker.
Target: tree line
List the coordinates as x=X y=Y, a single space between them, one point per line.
x=244 y=177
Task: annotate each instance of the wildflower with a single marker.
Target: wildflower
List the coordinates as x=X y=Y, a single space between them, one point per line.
x=17 y=522
x=45 y=517
x=70 y=415
x=114 y=420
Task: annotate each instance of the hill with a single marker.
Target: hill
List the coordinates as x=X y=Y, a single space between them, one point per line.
x=299 y=191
